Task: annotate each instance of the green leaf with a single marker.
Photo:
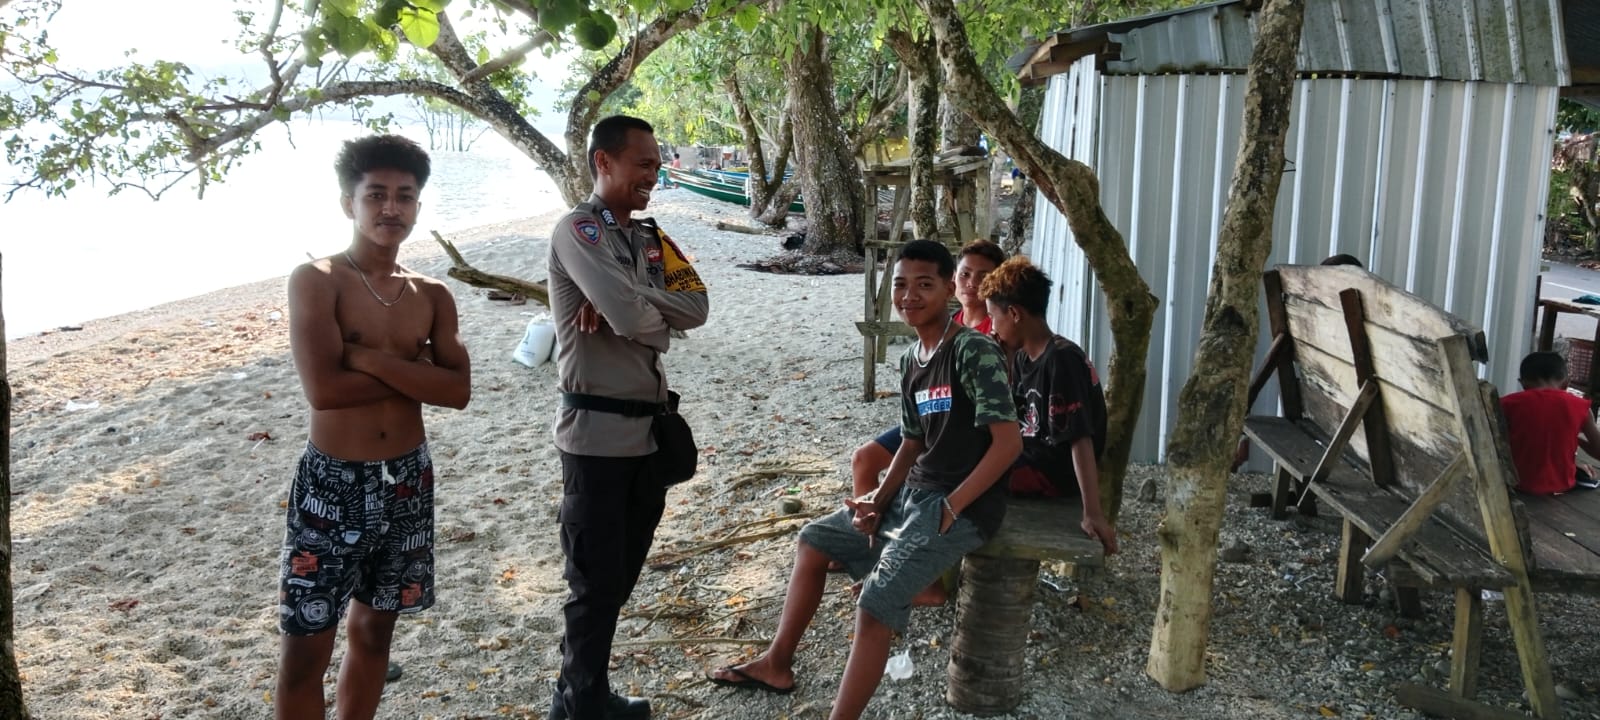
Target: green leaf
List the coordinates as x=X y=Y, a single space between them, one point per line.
x=595 y=30
x=420 y=26
x=483 y=55
x=680 y=5
x=389 y=12
x=350 y=36
x=434 y=6
x=347 y=8
x=557 y=15
x=747 y=17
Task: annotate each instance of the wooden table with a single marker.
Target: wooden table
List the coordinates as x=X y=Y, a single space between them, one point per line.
x=1551 y=309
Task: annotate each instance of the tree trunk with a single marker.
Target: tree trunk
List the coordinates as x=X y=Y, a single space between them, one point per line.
x=922 y=115
x=1212 y=403
x=957 y=131
x=1029 y=107
x=1021 y=225
x=765 y=187
x=11 y=704
x=1073 y=189
x=830 y=180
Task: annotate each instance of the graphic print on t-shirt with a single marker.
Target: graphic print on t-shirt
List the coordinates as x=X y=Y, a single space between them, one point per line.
x=935 y=399
x=1030 y=414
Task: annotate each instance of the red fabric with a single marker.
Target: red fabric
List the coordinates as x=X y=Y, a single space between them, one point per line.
x=986 y=327
x=1543 y=427
x=1028 y=481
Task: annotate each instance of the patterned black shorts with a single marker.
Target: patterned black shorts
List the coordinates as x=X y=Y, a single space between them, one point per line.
x=356 y=529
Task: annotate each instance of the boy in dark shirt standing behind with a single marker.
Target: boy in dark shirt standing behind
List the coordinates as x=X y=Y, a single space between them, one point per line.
x=1057 y=393
x=960 y=432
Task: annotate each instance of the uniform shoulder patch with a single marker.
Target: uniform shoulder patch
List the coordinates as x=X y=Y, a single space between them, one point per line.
x=587 y=229
x=611 y=220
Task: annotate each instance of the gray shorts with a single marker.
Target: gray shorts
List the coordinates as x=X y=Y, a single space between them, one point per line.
x=906 y=556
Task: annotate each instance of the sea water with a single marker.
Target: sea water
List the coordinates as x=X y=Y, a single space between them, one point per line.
x=90 y=255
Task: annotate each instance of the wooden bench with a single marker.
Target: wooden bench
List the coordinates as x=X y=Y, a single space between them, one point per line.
x=1426 y=481
x=995 y=599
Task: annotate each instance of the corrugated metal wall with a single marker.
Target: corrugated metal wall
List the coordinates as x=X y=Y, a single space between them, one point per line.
x=1498 y=41
x=1438 y=186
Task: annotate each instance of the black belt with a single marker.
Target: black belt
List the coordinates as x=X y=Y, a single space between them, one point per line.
x=599 y=403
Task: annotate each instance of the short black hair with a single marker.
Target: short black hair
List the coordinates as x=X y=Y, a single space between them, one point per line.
x=985 y=249
x=1343 y=259
x=930 y=251
x=611 y=135
x=1018 y=282
x=1543 y=366
x=380 y=152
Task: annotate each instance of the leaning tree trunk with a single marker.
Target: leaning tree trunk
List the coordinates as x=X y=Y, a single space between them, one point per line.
x=11 y=705
x=830 y=180
x=922 y=115
x=1073 y=189
x=1212 y=403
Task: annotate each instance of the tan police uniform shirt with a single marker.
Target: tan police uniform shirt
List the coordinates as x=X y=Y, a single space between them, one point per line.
x=623 y=273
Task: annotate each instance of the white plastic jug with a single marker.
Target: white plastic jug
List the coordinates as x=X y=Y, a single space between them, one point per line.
x=538 y=342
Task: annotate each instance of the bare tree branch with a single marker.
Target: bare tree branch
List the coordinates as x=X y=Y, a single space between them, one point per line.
x=511 y=58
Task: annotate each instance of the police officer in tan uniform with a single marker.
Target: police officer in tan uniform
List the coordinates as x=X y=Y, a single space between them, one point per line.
x=618 y=287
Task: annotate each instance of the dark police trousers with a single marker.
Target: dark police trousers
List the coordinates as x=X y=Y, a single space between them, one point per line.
x=609 y=511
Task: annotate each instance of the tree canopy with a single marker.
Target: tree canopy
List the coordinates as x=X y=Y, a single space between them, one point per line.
x=148 y=125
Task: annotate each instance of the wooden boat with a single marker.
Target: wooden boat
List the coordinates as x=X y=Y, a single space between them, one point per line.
x=705 y=182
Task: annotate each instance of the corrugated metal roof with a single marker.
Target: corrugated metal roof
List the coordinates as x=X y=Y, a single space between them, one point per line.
x=1520 y=41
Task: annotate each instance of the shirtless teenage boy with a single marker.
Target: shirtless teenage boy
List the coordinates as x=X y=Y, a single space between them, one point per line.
x=372 y=342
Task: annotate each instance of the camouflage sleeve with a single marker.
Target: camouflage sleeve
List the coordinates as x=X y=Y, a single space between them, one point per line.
x=910 y=421
x=982 y=368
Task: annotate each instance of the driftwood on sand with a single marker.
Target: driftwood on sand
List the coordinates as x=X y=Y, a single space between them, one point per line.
x=465 y=272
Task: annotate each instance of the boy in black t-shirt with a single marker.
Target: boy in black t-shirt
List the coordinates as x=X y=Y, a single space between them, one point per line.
x=960 y=431
x=1057 y=392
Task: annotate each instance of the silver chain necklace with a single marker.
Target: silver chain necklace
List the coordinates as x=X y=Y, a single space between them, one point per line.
x=935 y=351
x=364 y=281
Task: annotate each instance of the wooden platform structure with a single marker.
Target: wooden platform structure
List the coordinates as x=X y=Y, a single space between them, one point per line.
x=1386 y=422
x=967 y=176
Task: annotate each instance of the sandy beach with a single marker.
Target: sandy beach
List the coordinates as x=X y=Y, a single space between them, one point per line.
x=152 y=455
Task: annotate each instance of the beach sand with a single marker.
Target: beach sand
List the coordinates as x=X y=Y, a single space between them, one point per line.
x=147 y=526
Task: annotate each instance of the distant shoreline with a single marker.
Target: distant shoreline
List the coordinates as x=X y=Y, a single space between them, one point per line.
x=262 y=296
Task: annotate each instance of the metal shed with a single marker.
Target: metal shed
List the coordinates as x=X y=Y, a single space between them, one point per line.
x=1421 y=144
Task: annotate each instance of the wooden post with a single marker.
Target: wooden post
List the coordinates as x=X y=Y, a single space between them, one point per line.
x=1379 y=455
x=1352 y=545
x=1466 y=643
x=1471 y=398
x=1288 y=384
x=869 y=345
x=1280 y=494
x=1547 y=329
x=992 y=621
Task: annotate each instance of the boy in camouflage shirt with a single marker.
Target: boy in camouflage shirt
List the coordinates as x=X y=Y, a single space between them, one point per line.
x=961 y=434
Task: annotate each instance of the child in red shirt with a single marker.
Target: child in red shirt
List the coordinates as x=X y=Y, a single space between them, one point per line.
x=1545 y=423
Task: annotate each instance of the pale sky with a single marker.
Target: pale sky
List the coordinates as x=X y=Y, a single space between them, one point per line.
x=95 y=35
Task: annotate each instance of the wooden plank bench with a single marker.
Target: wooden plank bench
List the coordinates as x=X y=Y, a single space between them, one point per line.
x=996 y=595
x=1427 y=479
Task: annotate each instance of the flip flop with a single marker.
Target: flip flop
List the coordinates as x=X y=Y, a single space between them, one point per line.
x=749 y=682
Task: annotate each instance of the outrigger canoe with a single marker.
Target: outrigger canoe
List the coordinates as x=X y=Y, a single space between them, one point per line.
x=704 y=182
